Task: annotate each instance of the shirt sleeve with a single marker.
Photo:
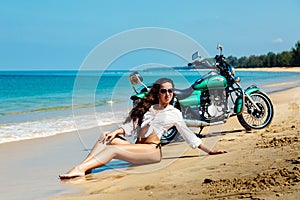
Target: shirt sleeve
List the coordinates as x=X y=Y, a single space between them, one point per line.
x=148 y=117
x=129 y=128
x=190 y=138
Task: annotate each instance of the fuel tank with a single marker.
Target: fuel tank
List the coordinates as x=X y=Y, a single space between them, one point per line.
x=211 y=81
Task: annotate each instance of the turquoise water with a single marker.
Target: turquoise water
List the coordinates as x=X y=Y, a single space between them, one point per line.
x=45 y=103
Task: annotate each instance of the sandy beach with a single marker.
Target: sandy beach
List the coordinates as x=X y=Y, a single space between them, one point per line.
x=263 y=164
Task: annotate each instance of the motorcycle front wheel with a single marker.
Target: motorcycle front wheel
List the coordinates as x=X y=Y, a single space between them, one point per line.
x=252 y=118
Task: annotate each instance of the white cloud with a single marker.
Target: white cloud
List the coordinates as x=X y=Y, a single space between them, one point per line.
x=277 y=40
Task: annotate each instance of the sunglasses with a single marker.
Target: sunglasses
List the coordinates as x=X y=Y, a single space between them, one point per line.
x=164 y=91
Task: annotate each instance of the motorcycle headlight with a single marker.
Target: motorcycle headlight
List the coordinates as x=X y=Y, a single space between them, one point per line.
x=237 y=79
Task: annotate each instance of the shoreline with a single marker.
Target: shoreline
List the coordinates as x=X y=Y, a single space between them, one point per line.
x=62 y=123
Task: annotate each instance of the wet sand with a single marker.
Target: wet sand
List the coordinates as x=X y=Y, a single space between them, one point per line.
x=29 y=169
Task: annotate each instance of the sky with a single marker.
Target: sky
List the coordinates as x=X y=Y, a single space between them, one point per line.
x=60 y=34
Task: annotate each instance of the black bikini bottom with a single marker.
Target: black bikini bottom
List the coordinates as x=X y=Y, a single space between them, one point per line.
x=158 y=145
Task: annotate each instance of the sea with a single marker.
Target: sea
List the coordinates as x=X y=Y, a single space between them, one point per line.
x=46 y=103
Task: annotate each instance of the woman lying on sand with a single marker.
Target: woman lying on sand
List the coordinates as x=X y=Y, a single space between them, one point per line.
x=148 y=119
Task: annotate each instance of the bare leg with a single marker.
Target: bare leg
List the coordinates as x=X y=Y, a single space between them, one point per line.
x=133 y=153
x=100 y=146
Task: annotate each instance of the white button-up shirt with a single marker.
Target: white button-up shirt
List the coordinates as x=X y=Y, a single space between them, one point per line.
x=160 y=121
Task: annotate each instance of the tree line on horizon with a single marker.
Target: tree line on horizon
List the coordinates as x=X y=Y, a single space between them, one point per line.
x=284 y=59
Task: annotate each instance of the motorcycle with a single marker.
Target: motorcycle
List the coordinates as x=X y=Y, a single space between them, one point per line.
x=214 y=98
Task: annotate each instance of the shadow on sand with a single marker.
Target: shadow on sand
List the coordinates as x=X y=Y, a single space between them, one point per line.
x=120 y=164
x=209 y=135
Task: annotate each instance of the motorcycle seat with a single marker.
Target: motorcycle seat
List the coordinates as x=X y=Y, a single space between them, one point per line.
x=182 y=94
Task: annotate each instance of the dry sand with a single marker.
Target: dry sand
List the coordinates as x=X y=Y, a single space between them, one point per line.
x=262 y=164
x=272 y=69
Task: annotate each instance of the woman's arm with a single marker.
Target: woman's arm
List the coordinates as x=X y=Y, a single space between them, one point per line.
x=191 y=138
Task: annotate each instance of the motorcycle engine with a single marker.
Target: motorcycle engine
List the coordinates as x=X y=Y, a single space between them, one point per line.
x=213 y=103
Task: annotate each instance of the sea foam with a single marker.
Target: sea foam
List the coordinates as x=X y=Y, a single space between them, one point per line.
x=10 y=132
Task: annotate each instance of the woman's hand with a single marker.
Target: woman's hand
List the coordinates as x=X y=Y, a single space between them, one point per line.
x=210 y=151
x=109 y=136
x=219 y=151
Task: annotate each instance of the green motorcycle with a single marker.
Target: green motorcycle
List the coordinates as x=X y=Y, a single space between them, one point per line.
x=214 y=98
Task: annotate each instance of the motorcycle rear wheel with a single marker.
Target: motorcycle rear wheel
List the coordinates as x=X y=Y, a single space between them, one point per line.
x=169 y=136
x=251 y=118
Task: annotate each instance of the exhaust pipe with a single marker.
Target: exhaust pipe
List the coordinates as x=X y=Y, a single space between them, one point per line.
x=198 y=123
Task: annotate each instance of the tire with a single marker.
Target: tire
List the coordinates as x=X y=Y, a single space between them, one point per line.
x=250 y=118
x=169 y=136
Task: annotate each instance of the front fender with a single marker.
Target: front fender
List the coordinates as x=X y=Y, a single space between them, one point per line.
x=251 y=89
x=239 y=102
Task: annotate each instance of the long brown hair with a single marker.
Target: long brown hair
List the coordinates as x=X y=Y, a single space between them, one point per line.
x=144 y=105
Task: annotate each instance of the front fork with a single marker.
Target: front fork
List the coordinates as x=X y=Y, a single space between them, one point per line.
x=252 y=102
x=240 y=101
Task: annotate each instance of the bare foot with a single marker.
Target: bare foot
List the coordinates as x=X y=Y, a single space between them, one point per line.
x=75 y=172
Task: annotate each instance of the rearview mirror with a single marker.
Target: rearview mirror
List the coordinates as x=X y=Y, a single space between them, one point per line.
x=196 y=55
x=135 y=78
x=219 y=47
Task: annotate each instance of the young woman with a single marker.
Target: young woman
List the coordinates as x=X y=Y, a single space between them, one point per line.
x=148 y=120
